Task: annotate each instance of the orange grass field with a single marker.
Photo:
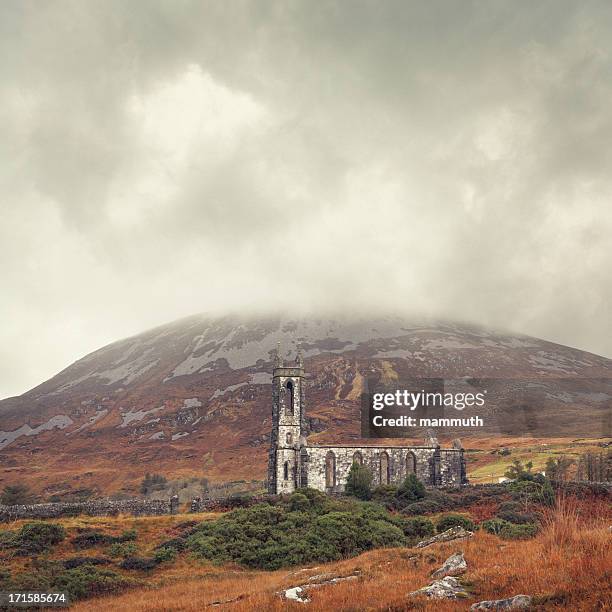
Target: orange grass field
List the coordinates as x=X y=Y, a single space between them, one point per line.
x=568 y=566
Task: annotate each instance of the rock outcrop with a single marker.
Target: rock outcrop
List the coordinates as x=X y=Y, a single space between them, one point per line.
x=518 y=602
x=455 y=565
x=447 y=588
x=454 y=533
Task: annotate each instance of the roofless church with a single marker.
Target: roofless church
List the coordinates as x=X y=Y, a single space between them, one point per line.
x=293 y=463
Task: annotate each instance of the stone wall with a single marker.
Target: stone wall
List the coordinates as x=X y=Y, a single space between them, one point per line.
x=432 y=465
x=102 y=507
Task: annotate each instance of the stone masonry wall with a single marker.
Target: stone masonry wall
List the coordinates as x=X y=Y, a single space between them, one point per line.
x=433 y=465
x=135 y=507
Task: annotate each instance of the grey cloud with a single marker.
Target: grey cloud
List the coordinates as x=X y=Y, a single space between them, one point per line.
x=442 y=156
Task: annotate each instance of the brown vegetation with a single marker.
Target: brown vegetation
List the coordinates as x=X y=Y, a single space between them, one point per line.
x=567 y=566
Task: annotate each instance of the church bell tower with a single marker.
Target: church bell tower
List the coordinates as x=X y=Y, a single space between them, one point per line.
x=287 y=425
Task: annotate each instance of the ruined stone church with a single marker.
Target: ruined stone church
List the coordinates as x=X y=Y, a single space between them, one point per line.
x=293 y=463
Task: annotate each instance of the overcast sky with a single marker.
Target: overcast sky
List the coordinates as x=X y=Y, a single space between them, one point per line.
x=159 y=159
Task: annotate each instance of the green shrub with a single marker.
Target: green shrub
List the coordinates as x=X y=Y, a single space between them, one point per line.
x=73 y=562
x=518 y=518
x=411 y=490
x=6 y=583
x=454 y=520
x=519 y=532
x=176 y=544
x=165 y=554
x=122 y=549
x=269 y=536
x=533 y=491
x=129 y=535
x=298 y=502
x=442 y=499
x=89 y=539
x=38 y=537
x=425 y=506
x=359 y=481
x=385 y=494
x=509 y=531
x=88 y=581
x=417 y=528
x=142 y=564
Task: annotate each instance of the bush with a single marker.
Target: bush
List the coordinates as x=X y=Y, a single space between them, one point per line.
x=509 y=531
x=298 y=502
x=385 y=494
x=38 y=537
x=454 y=520
x=165 y=554
x=425 y=506
x=122 y=549
x=73 y=562
x=518 y=518
x=534 y=492
x=359 y=481
x=89 y=539
x=176 y=544
x=418 y=527
x=87 y=581
x=494 y=526
x=129 y=535
x=268 y=536
x=142 y=564
x=411 y=490
x=442 y=499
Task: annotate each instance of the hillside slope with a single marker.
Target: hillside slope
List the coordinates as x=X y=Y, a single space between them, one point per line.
x=193 y=397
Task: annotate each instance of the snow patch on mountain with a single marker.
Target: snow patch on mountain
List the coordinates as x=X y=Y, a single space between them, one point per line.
x=59 y=421
x=138 y=415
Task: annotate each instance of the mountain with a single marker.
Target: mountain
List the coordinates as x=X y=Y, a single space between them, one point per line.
x=192 y=398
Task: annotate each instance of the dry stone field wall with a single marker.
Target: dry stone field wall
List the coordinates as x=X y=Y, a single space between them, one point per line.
x=135 y=507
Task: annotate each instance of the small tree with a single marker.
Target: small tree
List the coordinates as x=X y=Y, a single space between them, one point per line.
x=518 y=471
x=14 y=495
x=411 y=490
x=359 y=481
x=557 y=468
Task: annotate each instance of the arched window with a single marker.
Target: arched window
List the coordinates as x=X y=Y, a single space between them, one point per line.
x=289 y=438
x=330 y=470
x=410 y=463
x=384 y=468
x=286 y=470
x=289 y=397
x=358 y=458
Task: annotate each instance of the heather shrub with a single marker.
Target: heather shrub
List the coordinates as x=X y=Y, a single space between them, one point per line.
x=425 y=506
x=38 y=537
x=509 y=531
x=164 y=554
x=454 y=520
x=269 y=537
x=122 y=549
x=73 y=562
x=88 y=581
x=143 y=564
x=417 y=528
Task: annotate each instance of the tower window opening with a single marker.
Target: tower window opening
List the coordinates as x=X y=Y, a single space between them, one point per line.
x=290 y=397
x=289 y=438
x=286 y=470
